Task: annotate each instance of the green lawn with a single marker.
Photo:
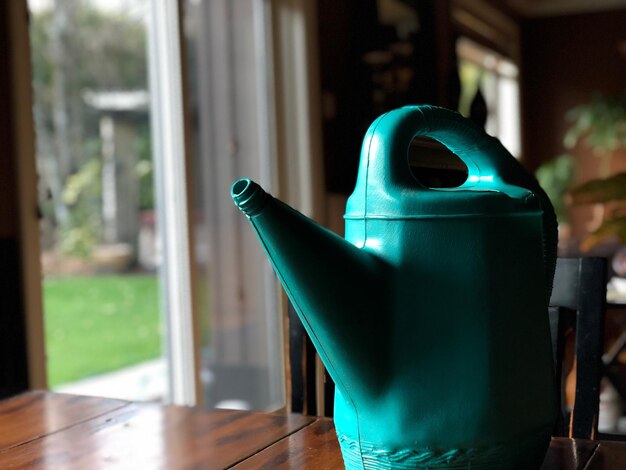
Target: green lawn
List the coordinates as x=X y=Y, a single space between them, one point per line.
x=98 y=324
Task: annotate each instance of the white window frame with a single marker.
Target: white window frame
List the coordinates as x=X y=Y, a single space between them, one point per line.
x=169 y=124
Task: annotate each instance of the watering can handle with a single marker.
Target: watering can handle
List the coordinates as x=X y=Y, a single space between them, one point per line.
x=484 y=156
x=489 y=164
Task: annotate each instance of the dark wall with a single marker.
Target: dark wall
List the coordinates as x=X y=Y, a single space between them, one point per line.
x=13 y=364
x=357 y=87
x=565 y=60
x=8 y=212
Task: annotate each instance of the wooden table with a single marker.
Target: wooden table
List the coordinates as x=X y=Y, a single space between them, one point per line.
x=57 y=431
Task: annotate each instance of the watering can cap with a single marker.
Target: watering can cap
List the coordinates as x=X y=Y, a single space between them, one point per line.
x=496 y=184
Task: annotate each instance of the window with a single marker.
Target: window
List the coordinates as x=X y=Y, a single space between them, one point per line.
x=487 y=74
x=100 y=246
x=219 y=339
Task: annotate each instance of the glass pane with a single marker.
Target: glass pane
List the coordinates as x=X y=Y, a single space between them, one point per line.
x=495 y=78
x=100 y=248
x=242 y=362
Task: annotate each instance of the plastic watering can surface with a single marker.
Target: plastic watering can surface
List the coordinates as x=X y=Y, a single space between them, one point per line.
x=431 y=316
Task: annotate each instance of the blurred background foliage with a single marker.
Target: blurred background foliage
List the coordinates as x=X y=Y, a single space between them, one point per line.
x=76 y=48
x=598 y=127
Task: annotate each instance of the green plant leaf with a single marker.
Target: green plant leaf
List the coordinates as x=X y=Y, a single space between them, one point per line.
x=599 y=191
x=611 y=228
x=555 y=178
x=619 y=210
x=600 y=123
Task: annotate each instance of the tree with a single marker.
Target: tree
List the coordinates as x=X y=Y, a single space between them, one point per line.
x=75 y=48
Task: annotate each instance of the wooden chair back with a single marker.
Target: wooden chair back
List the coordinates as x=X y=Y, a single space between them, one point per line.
x=578 y=303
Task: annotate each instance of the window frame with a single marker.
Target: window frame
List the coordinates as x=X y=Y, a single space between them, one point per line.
x=22 y=152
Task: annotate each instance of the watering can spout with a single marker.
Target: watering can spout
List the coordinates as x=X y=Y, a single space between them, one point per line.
x=328 y=280
x=249 y=197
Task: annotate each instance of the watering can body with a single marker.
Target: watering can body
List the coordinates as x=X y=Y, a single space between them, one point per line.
x=431 y=315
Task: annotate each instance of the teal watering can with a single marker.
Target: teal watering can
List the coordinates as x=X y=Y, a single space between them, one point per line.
x=431 y=316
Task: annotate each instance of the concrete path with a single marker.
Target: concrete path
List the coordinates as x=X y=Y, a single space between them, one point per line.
x=146 y=381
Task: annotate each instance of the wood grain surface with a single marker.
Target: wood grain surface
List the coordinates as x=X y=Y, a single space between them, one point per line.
x=34 y=414
x=315 y=447
x=568 y=454
x=150 y=436
x=54 y=431
x=608 y=455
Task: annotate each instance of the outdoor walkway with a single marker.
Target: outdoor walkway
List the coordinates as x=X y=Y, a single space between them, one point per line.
x=146 y=381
